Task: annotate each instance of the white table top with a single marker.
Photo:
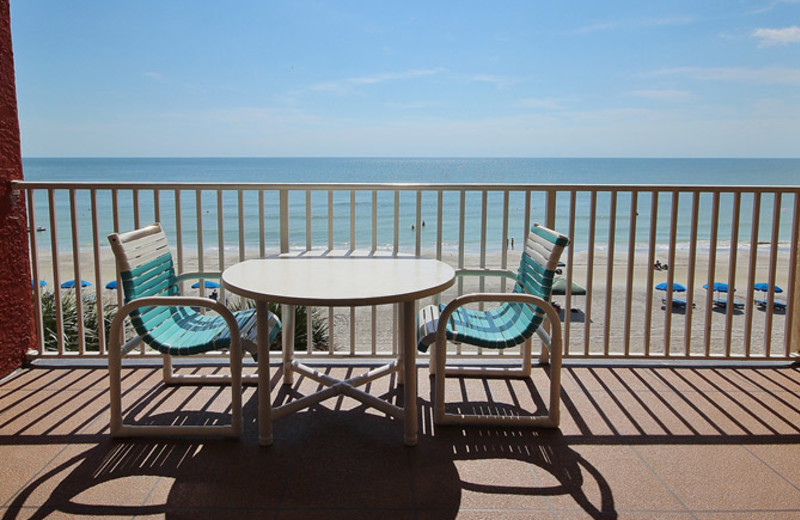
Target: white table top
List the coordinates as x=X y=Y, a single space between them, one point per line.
x=335 y=280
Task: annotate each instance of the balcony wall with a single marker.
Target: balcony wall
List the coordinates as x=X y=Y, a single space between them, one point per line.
x=15 y=327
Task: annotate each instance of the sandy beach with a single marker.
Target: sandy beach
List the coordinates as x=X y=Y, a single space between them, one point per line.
x=620 y=300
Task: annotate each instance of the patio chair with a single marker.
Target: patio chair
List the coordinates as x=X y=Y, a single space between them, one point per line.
x=518 y=316
x=174 y=326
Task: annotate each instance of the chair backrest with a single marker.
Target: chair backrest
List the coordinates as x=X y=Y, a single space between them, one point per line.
x=145 y=267
x=537 y=268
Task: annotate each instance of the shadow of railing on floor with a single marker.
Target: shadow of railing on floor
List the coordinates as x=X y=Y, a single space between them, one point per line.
x=717 y=405
x=350 y=460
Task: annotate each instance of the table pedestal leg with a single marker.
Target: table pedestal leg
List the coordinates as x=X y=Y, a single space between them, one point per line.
x=264 y=400
x=287 y=337
x=401 y=367
x=410 y=373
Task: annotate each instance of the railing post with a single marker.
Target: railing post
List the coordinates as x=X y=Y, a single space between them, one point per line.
x=468 y=222
x=794 y=276
x=795 y=306
x=287 y=311
x=284 y=226
x=550 y=209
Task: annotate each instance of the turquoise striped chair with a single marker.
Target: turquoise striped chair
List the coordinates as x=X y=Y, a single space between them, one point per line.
x=513 y=322
x=172 y=324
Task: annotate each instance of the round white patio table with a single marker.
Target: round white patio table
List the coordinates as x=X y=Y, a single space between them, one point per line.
x=329 y=279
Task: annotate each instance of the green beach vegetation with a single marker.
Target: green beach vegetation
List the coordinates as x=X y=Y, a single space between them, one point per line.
x=91 y=323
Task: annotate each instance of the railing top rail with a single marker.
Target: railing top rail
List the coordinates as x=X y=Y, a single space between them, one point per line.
x=344 y=186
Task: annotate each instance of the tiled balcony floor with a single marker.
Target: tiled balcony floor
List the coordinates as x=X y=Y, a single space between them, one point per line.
x=651 y=442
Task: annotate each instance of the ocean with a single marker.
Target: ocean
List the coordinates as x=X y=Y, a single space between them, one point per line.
x=440 y=170
x=714 y=172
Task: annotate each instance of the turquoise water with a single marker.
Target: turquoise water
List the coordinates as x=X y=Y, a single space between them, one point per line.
x=761 y=172
x=443 y=170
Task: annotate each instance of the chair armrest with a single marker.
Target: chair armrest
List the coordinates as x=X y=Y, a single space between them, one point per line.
x=460 y=301
x=503 y=273
x=115 y=333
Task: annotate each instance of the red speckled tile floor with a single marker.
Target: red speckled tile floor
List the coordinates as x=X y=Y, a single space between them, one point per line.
x=642 y=441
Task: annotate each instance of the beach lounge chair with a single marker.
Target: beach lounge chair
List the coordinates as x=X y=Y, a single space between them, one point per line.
x=764 y=287
x=518 y=316
x=172 y=325
x=777 y=305
x=722 y=303
x=678 y=303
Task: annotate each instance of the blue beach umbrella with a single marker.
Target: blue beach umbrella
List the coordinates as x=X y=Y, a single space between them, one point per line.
x=718 y=286
x=42 y=283
x=208 y=284
x=676 y=287
x=764 y=287
x=70 y=284
x=111 y=285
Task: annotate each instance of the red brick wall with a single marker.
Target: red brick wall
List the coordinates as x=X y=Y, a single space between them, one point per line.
x=15 y=293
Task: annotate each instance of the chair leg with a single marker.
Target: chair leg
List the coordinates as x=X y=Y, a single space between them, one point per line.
x=170 y=377
x=167 y=371
x=115 y=387
x=544 y=355
x=526 y=357
x=550 y=419
x=119 y=429
x=439 y=359
x=554 y=412
x=237 y=423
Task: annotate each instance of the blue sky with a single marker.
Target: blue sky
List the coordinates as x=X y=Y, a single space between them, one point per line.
x=401 y=79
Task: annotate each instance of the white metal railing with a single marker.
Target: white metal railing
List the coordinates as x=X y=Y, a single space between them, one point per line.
x=737 y=235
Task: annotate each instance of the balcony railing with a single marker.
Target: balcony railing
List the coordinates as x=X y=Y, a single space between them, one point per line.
x=740 y=236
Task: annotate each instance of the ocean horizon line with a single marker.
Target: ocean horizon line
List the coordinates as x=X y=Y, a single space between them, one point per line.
x=411 y=157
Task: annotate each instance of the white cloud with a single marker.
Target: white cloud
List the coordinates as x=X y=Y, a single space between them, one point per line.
x=773 y=37
x=597 y=27
x=497 y=81
x=347 y=84
x=670 y=20
x=770 y=6
x=764 y=76
x=768 y=108
x=546 y=103
x=637 y=23
x=606 y=115
x=663 y=94
x=154 y=75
